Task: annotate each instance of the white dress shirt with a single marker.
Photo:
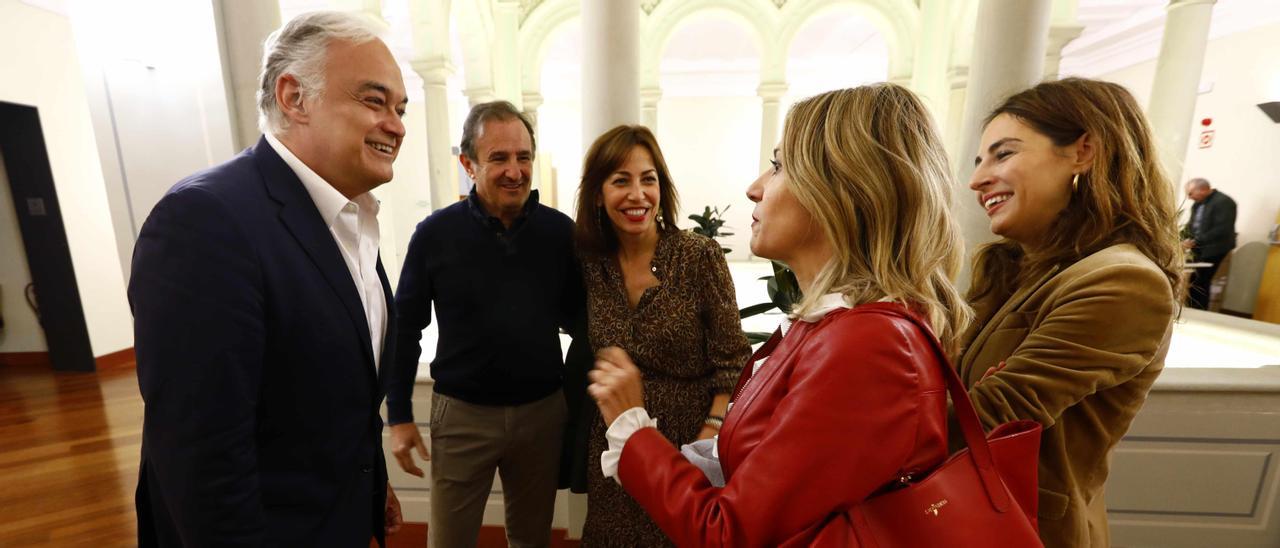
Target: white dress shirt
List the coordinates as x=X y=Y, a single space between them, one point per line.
x=354 y=226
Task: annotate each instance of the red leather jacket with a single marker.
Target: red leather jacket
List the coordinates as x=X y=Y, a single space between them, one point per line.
x=842 y=407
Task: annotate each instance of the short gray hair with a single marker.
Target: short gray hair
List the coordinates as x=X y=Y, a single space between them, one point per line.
x=1199 y=183
x=299 y=48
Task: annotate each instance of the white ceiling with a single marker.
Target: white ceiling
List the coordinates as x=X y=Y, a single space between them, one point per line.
x=1121 y=33
x=715 y=53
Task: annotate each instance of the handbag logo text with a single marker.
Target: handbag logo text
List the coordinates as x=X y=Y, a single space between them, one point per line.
x=933 y=508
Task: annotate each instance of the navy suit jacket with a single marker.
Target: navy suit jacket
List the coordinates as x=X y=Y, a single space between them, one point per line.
x=254 y=360
x=1217 y=234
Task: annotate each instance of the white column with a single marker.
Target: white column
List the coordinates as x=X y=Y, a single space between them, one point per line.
x=1008 y=56
x=649 y=98
x=1177 y=80
x=770 y=118
x=530 y=101
x=506 y=51
x=435 y=75
x=1059 y=37
x=933 y=51
x=479 y=95
x=244 y=26
x=958 y=85
x=610 y=65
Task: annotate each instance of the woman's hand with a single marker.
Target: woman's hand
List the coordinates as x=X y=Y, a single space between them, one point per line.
x=615 y=383
x=991 y=371
x=708 y=432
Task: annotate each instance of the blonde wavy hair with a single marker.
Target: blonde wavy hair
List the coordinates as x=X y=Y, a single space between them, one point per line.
x=868 y=165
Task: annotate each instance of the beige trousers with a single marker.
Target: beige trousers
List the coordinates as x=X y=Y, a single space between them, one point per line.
x=469 y=442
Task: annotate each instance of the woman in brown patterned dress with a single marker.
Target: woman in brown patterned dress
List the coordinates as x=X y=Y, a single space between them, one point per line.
x=665 y=296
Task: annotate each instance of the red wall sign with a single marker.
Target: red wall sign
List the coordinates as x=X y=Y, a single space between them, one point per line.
x=1206 y=138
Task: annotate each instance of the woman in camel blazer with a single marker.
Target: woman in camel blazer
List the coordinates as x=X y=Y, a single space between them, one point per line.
x=1074 y=304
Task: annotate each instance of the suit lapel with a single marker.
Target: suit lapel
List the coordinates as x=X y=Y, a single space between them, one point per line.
x=1013 y=303
x=299 y=214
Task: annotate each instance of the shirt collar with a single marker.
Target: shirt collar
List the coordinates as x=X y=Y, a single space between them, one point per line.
x=827 y=304
x=327 y=199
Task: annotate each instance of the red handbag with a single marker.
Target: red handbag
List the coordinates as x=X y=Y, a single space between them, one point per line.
x=984 y=495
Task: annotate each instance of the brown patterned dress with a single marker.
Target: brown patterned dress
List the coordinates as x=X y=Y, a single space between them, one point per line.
x=685 y=337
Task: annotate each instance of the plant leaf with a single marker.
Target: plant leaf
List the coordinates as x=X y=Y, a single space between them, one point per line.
x=755 y=309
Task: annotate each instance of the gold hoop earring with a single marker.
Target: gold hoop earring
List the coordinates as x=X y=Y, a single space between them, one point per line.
x=1075 y=183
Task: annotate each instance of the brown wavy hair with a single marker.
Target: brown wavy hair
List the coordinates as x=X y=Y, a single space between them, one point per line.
x=1123 y=197
x=868 y=165
x=593 y=233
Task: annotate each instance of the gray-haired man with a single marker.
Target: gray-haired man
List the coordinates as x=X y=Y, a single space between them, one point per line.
x=1212 y=234
x=263 y=319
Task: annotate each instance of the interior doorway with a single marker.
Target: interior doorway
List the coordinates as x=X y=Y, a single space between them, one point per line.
x=55 y=295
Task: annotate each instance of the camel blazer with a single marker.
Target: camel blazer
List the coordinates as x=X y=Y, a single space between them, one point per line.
x=1081 y=346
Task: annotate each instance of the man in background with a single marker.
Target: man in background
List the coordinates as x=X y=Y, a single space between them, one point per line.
x=500 y=270
x=1211 y=234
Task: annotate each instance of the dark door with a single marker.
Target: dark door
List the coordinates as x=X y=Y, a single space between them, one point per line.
x=40 y=220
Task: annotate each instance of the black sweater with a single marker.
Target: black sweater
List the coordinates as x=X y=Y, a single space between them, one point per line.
x=501 y=296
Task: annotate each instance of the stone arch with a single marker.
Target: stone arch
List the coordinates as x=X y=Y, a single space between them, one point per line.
x=897 y=20
x=657 y=29
x=535 y=37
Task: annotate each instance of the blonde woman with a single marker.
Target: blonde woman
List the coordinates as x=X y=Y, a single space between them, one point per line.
x=1076 y=300
x=851 y=396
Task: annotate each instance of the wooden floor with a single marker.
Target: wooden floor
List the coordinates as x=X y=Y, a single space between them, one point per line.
x=69 y=445
x=68 y=457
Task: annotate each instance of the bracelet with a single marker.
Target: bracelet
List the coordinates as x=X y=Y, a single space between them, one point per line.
x=714 y=422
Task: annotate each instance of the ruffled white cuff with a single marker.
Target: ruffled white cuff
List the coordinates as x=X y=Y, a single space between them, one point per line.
x=618 y=433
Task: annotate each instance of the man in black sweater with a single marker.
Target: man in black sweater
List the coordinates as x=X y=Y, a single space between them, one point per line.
x=1212 y=230
x=500 y=270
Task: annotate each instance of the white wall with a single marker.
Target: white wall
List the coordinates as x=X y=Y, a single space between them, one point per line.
x=159 y=104
x=40 y=68
x=560 y=145
x=1240 y=71
x=712 y=145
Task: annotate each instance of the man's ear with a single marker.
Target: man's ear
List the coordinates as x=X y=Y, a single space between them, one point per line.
x=467 y=165
x=1083 y=151
x=289 y=98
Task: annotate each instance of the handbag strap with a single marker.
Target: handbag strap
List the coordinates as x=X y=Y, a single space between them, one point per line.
x=974 y=437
